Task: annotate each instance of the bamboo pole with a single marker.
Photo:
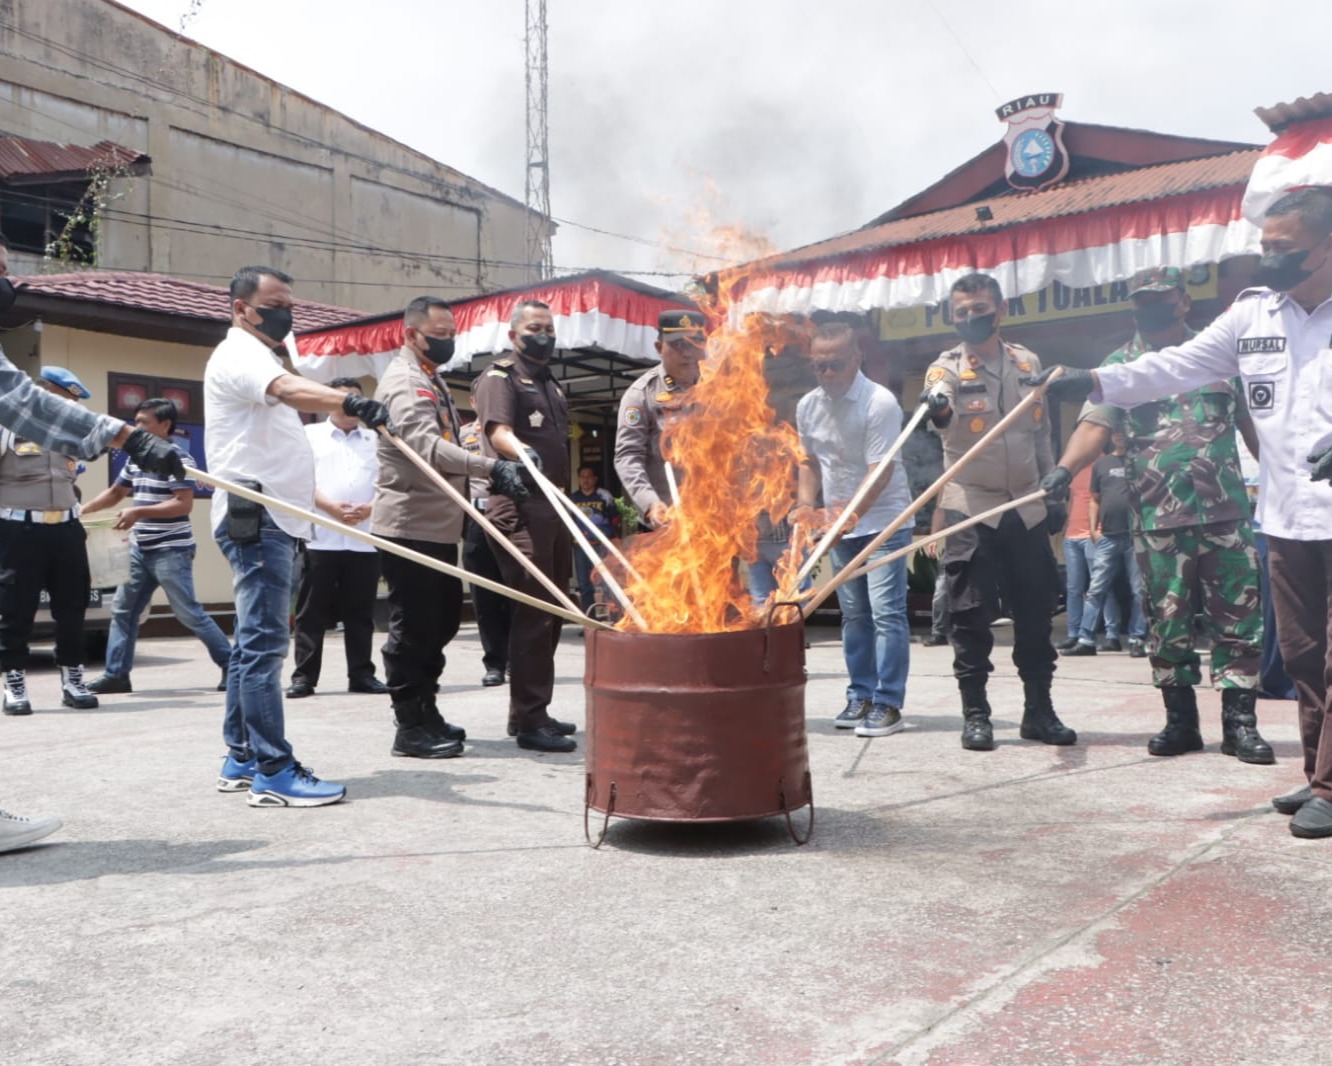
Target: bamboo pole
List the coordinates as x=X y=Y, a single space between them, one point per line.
x=394 y=549
x=830 y=537
x=577 y=512
x=974 y=520
x=499 y=538
x=996 y=431
x=552 y=495
x=674 y=487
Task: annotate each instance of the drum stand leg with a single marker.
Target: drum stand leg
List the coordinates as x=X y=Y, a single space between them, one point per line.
x=790 y=827
x=610 y=807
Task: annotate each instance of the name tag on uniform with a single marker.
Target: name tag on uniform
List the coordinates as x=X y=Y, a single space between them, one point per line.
x=1264 y=345
x=977 y=387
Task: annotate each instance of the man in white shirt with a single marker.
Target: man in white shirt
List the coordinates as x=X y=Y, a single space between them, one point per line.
x=341 y=575
x=255 y=435
x=1275 y=337
x=846 y=426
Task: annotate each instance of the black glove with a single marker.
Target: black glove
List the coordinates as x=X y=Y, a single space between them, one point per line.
x=1072 y=384
x=1322 y=465
x=936 y=401
x=1055 y=485
x=155 y=455
x=373 y=413
x=506 y=479
x=536 y=459
x=1056 y=517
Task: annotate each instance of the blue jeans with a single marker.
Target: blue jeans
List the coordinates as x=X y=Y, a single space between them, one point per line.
x=1113 y=552
x=876 y=636
x=762 y=583
x=173 y=570
x=1078 y=555
x=261 y=577
x=583 y=571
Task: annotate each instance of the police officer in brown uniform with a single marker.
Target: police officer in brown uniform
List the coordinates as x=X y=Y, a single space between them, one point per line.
x=424 y=605
x=647 y=407
x=521 y=407
x=968 y=390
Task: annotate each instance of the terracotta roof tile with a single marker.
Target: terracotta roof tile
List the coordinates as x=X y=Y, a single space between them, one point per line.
x=1090 y=194
x=168 y=296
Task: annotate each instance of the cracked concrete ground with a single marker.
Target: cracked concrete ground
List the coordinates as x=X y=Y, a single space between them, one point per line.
x=1030 y=905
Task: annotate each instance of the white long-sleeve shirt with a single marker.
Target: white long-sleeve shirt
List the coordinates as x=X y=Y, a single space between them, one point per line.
x=1284 y=356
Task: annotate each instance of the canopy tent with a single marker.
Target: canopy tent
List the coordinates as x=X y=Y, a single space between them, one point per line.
x=606 y=322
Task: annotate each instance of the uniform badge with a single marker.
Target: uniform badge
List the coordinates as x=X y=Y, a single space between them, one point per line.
x=71 y=465
x=527 y=381
x=27 y=447
x=976 y=425
x=1262 y=395
x=664 y=397
x=967 y=375
x=977 y=405
x=633 y=416
x=496 y=374
x=427 y=394
x=973 y=361
x=934 y=375
x=1037 y=413
x=535 y=419
x=1024 y=367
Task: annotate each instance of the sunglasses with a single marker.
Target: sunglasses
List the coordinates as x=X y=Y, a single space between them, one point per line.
x=829 y=366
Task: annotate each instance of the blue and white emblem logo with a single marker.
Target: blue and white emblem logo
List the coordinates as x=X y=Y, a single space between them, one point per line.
x=1036 y=155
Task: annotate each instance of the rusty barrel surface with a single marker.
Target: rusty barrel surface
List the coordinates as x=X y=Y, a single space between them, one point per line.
x=697 y=727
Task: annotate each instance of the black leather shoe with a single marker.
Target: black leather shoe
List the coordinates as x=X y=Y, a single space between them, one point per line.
x=222 y=685
x=1292 y=801
x=1111 y=644
x=450 y=732
x=418 y=742
x=299 y=690
x=977 y=733
x=371 y=685
x=493 y=678
x=106 y=685
x=1313 y=820
x=1068 y=645
x=1081 y=649
x=565 y=729
x=932 y=641
x=547 y=738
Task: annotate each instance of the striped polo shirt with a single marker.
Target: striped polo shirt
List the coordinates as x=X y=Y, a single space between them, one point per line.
x=149 y=489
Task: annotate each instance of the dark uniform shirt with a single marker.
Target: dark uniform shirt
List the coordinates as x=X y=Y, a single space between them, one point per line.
x=1183 y=459
x=524 y=396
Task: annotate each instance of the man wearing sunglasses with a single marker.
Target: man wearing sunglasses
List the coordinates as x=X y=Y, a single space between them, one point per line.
x=649 y=405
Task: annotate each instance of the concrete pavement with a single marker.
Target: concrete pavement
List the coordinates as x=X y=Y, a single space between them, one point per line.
x=1030 y=905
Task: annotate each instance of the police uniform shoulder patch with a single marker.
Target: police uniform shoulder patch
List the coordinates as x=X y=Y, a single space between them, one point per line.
x=934 y=375
x=496 y=374
x=633 y=416
x=427 y=394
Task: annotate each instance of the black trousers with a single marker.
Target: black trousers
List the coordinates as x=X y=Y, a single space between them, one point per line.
x=336 y=585
x=424 y=611
x=536 y=530
x=1011 y=565
x=493 y=611
x=35 y=557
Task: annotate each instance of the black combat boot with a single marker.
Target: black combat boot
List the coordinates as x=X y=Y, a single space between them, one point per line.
x=977 y=735
x=1239 y=728
x=1039 y=721
x=1180 y=734
x=417 y=740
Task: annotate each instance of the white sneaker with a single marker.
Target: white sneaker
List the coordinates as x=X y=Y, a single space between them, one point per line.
x=18 y=832
x=73 y=692
x=16 y=693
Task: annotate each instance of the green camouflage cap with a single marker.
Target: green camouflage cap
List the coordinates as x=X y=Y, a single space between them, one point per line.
x=1157 y=279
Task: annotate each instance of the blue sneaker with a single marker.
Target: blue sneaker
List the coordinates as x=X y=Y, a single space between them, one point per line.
x=293 y=787
x=236 y=776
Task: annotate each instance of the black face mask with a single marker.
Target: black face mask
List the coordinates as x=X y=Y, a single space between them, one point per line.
x=7 y=295
x=539 y=346
x=438 y=349
x=274 y=322
x=978 y=328
x=1282 y=271
x=1153 y=318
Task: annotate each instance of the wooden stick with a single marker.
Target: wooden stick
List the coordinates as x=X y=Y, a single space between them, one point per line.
x=830 y=537
x=552 y=496
x=996 y=431
x=974 y=520
x=485 y=523
x=577 y=512
x=674 y=487
x=394 y=549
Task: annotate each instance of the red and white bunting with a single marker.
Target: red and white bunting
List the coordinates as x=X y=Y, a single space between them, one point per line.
x=1094 y=248
x=1300 y=156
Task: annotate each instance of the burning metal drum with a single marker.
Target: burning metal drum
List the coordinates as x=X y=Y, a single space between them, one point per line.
x=697 y=727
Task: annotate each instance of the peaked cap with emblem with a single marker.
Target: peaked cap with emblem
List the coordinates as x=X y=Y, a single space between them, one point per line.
x=680 y=324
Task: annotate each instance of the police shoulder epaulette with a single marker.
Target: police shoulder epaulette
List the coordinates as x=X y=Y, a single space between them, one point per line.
x=1246 y=294
x=506 y=363
x=492 y=373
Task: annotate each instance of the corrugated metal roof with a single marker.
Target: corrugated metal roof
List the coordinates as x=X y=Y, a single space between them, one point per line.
x=25 y=159
x=161 y=294
x=1079 y=197
x=1279 y=116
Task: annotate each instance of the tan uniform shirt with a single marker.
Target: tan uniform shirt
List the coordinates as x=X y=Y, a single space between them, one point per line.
x=407 y=503
x=980 y=394
x=646 y=409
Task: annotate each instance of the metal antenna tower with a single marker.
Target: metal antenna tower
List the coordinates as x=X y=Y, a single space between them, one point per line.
x=540 y=264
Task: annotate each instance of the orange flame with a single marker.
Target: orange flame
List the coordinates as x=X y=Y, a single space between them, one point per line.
x=736 y=460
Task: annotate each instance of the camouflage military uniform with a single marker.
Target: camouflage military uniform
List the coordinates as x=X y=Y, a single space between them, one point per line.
x=1192 y=531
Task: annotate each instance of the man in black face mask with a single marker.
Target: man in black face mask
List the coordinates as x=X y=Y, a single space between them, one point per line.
x=521 y=408
x=968 y=389
x=1193 y=539
x=424 y=605
x=1275 y=338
